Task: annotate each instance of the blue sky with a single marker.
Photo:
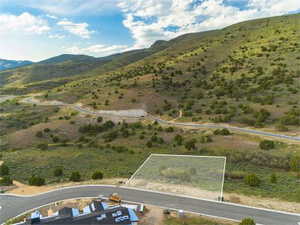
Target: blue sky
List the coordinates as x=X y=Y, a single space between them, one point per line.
x=39 y=29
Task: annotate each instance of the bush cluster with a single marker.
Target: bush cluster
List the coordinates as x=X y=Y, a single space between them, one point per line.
x=36 y=181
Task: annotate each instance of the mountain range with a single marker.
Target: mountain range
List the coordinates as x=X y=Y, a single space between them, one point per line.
x=11 y=64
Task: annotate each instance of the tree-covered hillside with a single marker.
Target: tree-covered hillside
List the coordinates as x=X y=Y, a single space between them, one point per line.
x=246 y=73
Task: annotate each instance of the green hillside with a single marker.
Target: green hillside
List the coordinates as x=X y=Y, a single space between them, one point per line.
x=61 y=69
x=247 y=73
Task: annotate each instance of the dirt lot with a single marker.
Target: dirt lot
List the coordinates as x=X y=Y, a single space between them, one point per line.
x=154 y=216
x=268 y=203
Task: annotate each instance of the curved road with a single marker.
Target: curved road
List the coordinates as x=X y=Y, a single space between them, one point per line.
x=15 y=205
x=139 y=113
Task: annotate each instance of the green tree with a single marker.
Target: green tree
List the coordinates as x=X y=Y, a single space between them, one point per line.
x=98 y=175
x=223 y=131
x=266 y=144
x=247 y=221
x=55 y=139
x=6 y=181
x=178 y=139
x=191 y=144
x=4 y=170
x=252 y=180
x=36 y=181
x=273 y=178
x=149 y=144
x=99 y=119
x=58 y=172
x=170 y=129
x=75 y=176
x=46 y=130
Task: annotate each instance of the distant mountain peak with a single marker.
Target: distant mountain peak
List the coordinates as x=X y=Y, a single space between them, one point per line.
x=159 y=44
x=6 y=64
x=66 y=57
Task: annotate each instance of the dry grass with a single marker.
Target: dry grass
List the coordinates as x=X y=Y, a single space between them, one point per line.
x=269 y=203
x=23 y=189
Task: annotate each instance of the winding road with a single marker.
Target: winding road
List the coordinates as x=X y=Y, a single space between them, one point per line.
x=14 y=205
x=140 y=113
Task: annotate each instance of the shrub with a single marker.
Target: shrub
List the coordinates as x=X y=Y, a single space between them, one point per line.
x=75 y=176
x=4 y=170
x=178 y=139
x=273 y=178
x=6 y=181
x=247 y=221
x=149 y=144
x=43 y=146
x=58 y=172
x=55 y=139
x=252 y=180
x=99 y=119
x=294 y=164
x=98 y=175
x=191 y=144
x=46 y=130
x=39 y=134
x=281 y=127
x=223 y=131
x=36 y=181
x=110 y=136
x=205 y=139
x=170 y=129
x=266 y=144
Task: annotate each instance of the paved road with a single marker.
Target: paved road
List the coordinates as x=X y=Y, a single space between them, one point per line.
x=15 y=205
x=239 y=129
x=140 y=113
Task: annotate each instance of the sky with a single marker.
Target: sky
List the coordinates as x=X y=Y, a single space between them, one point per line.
x=39 y=29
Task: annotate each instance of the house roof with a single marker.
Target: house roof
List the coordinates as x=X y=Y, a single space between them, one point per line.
x=113 y=216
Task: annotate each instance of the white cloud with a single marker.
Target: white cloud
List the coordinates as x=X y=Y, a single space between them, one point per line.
x=99 y=50
x=275 y=7
x=79 y=29
x=66 y=7
x=56 y=36
x=23 y=23
x=52 y=16
x=151 y=20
